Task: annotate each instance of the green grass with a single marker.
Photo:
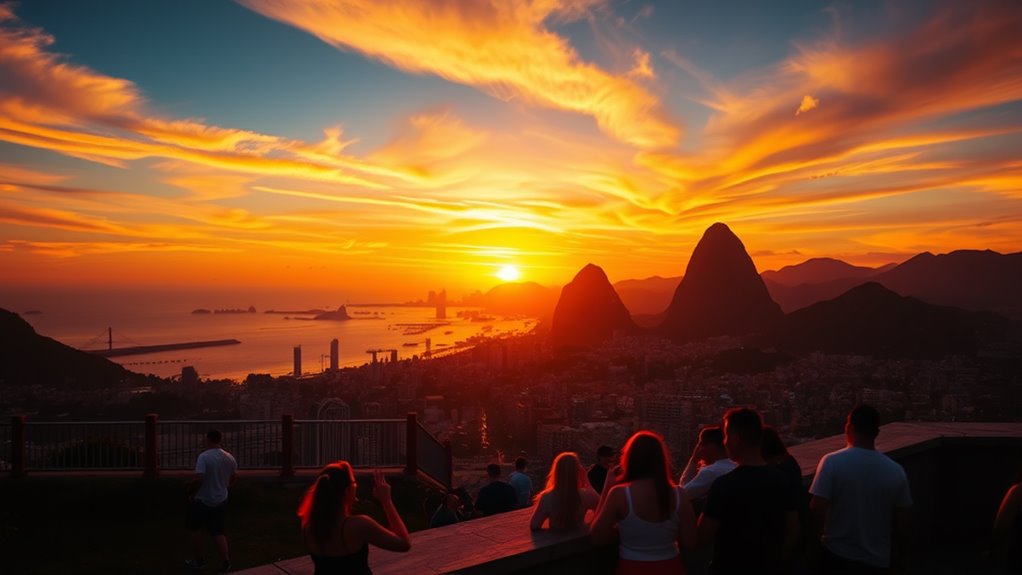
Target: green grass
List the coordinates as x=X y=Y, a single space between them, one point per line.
x=133 y=525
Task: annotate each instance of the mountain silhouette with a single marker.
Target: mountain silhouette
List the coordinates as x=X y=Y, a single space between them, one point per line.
x=792 y=298
x=820 y=270
x=514 y=298
x=721 y=292
x=647 y=296
x=588 y=311
x=872 y=320
x=27 y=358
x=970 y=279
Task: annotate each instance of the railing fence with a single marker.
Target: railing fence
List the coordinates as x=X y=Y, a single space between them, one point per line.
x=284 y=444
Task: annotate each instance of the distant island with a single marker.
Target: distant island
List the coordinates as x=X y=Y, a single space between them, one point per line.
x=313 y=311
x=340 y=313
x=203 y=311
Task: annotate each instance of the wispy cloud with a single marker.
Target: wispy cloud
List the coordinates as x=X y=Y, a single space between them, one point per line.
x=503 y=47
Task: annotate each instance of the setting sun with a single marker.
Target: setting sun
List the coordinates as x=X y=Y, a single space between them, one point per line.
x=509 y=273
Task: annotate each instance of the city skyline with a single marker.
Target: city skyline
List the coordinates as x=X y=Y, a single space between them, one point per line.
x=385 y=148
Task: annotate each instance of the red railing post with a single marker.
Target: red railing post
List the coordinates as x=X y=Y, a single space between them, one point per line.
x=450 y=464
x=287 y=448
x=152 y=446
x=18 y=445
x=411 y=444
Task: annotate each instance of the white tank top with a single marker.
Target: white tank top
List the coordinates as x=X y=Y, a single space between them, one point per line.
x=643 y=540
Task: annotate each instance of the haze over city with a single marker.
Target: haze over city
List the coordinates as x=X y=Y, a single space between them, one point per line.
x=376 y=150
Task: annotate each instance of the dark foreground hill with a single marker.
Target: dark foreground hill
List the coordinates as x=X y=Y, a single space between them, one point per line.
x=589 y=311
x=27 y=358
x=721 y=292
x=873 y=320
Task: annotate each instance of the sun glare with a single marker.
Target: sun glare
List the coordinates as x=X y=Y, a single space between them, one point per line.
x=509 y=273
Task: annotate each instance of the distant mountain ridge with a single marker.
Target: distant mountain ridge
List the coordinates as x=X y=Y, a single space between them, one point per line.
x=970 y=279
x=647 y=296
x=721 y=292
x=516 y=298
x=820 y=270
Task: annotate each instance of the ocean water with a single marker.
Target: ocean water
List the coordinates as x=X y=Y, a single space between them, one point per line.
x=267 y=340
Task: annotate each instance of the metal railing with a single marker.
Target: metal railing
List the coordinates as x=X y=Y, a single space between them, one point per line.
x=362 y=443
x=254 y=444
x=432 y=457
x=85 y=446
x=286 y=444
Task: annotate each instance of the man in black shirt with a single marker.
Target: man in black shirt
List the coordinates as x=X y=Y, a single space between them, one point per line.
x=497 y=496
x=750 y=515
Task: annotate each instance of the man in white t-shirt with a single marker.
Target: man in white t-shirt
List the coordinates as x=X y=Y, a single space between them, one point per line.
x=215 y=471
x=860 y=503
x=708 y=462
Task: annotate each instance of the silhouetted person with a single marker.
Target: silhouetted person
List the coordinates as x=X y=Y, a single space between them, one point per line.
x=215 y=472
x=338 y=540
x=450 y=512
x=775 y=453
x=598 y=472
x=709 y=461
x=653 y=515
x=750 y=513
x=521 y=482
x=496 y=496
x=567 y=496
x=860 y=503
x=1006 y=539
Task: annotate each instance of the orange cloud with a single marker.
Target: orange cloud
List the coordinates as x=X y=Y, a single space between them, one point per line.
x=499 y=46
x=808 y=103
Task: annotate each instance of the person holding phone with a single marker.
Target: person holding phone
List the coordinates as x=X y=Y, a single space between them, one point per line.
x=339 y=540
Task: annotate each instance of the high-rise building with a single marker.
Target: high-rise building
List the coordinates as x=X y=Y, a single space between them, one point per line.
x=335 y=350
x=441 y=305
x=298 y=361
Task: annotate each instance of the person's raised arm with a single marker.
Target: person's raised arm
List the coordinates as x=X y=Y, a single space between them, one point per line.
x=396 y=537
x=692 y=467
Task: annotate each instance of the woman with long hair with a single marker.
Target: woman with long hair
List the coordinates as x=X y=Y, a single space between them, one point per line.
x=567 y=496
x=338 y=541
x=652 y=514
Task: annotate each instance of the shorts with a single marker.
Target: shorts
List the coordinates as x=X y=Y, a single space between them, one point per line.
x=200 y=515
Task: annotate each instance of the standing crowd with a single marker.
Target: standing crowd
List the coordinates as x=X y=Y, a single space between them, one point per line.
x=738 y=507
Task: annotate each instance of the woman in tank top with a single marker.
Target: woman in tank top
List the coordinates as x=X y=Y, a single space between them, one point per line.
x=567 y=497
x=338 y=541
x=652 y=515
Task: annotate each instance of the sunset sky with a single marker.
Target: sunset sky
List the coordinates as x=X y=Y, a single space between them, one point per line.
x=384 y=148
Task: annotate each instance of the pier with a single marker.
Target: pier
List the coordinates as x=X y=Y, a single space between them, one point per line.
x=140 y=349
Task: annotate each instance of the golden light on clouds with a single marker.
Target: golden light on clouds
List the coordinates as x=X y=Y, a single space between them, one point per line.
x=868 y=150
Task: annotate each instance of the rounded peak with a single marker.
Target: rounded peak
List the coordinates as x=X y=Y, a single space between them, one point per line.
x=718 y=228
x=591 y=272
